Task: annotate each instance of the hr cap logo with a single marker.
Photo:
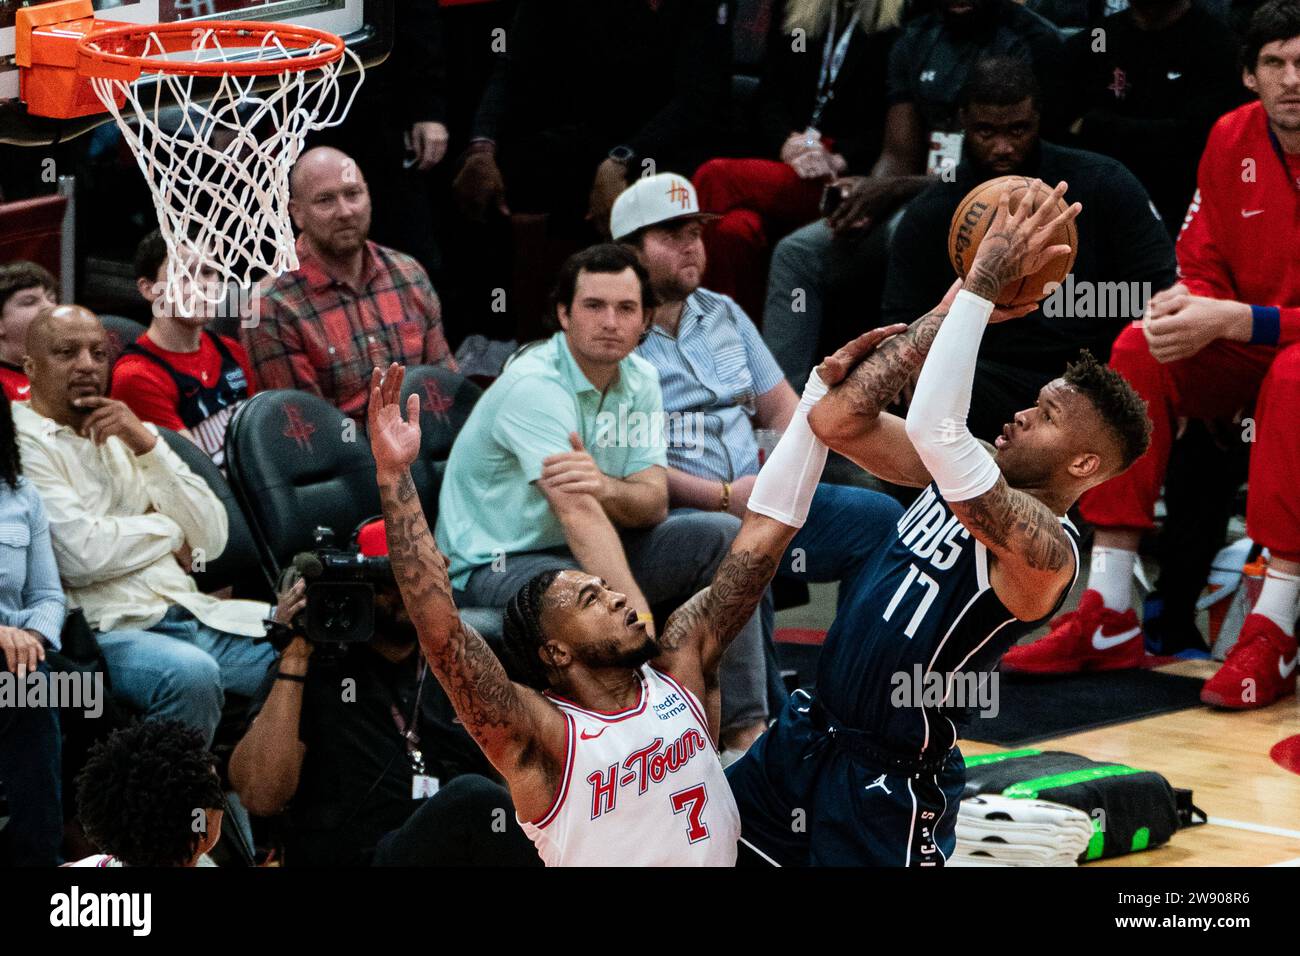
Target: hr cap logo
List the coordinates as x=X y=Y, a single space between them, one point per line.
x=680 y=194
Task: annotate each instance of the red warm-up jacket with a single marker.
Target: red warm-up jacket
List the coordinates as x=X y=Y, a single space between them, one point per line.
x=1241 y=238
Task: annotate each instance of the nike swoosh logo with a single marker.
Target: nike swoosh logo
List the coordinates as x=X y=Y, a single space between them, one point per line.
x=1103 y=643
x=586 y=736
x=1284 y=668
x=1247 y=213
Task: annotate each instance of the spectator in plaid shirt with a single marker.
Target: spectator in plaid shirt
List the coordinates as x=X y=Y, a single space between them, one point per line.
x=351 y=304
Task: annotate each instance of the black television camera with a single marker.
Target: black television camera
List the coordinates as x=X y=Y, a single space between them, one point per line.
x=340 y=606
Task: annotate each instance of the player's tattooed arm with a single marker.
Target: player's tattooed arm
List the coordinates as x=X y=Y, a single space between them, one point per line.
x=1027 y=540
x=875 y=383
x=517 y=729
x=500 y=715
x=871 y=371
x=703 y=627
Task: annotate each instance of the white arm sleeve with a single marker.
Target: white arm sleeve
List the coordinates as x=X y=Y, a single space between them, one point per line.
x=936 y=422
x=785 y=485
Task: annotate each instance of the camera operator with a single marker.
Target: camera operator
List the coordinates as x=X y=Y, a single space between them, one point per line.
x=361 y=751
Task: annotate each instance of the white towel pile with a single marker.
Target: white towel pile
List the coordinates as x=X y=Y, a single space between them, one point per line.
x=1000 y=831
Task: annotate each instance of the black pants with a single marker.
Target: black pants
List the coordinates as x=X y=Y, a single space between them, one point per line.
x=469 y=822
x=30 y=767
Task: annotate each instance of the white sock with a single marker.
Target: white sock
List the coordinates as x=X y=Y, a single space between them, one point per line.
x=1111 y=575
x=1277 y=599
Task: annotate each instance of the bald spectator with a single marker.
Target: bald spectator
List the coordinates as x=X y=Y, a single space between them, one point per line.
x=127 y=520
x=351 y=304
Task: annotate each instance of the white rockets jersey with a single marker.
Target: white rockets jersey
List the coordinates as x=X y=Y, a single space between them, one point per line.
x=643 y=787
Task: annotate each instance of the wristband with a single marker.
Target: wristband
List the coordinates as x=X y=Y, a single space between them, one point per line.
x=726 y=496
x=1265 y=324
x=296 y=678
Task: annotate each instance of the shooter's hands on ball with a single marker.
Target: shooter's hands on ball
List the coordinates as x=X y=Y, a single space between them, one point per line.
x=1178 y=324
x=109 y=417
x=394 y=441
x=575 y=471
x=1016 y=244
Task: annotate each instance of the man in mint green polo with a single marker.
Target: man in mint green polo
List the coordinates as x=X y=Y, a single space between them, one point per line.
x=562 y=464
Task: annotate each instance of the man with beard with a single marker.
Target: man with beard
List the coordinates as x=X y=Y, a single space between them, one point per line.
x=716 y=372
x=1122 y=245
x=362 y=753
x=609 y=749
x=870 y=763
x=1225 y=339
x=350 y=304
x=832 y=266
x=127 y=520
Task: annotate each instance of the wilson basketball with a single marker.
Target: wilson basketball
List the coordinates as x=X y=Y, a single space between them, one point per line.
x=972 y=219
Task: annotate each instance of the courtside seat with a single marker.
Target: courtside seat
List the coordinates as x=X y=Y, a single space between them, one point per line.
x=297 y=463
x=239 y=566
x=121 y=333
x=446 y=399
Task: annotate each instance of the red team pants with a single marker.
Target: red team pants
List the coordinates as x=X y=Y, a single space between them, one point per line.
x=1217 y=383
x=760 y=200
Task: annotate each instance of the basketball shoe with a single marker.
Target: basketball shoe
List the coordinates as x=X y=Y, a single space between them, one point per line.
x=1092 y=638
x=1261 y=668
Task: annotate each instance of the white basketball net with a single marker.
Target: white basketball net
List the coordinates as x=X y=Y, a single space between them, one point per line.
x=220 y=178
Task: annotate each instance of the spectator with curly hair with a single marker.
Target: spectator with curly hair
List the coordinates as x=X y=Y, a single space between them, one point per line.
x=149 y=795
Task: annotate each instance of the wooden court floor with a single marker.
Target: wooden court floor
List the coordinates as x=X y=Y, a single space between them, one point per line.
x=1253 y=804
x=1223 y=757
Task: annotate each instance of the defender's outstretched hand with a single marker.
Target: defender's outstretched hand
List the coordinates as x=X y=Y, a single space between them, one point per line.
x=835 y=368
x=393 y=441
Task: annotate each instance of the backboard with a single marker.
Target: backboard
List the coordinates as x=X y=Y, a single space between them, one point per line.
x=365 y=25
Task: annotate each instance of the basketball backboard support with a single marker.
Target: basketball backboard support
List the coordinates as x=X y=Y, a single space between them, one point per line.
x=365 y=25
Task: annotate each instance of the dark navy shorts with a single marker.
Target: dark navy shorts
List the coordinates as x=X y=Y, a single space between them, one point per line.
x=804 y=801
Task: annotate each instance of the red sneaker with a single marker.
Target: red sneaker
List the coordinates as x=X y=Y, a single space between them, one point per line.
x=1259 y=670
x=1092 y=638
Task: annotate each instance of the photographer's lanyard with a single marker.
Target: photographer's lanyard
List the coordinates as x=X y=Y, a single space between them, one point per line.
x=422 y=785
x=833 y=54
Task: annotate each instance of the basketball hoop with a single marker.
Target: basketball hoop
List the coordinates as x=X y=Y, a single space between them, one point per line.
x=216 y=134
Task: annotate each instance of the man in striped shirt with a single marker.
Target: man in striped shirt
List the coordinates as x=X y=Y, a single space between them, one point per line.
x=351 y=305
x=719 y=384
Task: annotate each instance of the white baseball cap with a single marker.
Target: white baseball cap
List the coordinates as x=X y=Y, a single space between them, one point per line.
x=653 y=200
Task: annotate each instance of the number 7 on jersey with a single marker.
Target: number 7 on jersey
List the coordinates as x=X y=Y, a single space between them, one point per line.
x=692 y=802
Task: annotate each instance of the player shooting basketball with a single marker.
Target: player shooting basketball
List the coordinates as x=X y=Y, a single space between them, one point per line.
x=614 y=763
x=982 y=556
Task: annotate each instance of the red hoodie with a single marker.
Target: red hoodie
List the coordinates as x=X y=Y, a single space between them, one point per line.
x=1241 y=237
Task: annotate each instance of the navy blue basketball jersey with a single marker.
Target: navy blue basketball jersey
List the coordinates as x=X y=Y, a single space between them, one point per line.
x=924 y=620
